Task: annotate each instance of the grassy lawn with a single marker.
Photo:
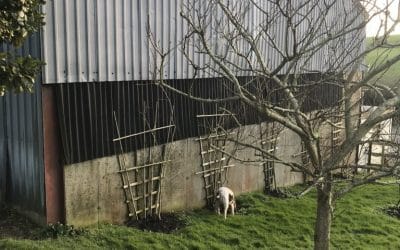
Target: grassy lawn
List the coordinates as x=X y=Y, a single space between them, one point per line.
x=392 y=76
x=263 y=222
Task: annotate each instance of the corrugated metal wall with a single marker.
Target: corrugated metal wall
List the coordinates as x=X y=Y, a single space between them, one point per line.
x=21 y=136
x=104 y=40
x=3 y=158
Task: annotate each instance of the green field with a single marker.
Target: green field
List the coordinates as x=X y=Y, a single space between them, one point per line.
x=263 y=222
x=392 y=76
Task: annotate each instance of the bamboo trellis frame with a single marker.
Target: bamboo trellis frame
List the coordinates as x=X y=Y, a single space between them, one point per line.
x=212 y=148
x=142 y=182
x=269 y=138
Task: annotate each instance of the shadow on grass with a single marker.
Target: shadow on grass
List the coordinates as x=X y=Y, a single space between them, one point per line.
x=16 y=226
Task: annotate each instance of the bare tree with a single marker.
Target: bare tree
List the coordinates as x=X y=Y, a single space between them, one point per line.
x=274 y=56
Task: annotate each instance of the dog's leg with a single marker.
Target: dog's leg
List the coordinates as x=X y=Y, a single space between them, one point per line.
x=232 y=203
x=226 y=206
x=217 y=207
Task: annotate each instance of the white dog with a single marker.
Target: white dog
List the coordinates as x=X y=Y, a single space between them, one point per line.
x=226 y=199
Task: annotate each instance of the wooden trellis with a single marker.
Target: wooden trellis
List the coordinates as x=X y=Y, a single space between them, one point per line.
x=336 y=133
x=305 y=161
x=269 y=137
x=333 y=140
x=212 y=148
x=142 y=182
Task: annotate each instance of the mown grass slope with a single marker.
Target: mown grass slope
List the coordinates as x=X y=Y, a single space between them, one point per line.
x=263 y=222
x=391 y=77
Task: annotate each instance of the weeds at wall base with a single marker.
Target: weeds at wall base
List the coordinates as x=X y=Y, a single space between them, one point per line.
x=168 y=223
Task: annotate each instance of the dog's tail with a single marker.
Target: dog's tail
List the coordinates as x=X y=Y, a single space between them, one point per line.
x=217 y=195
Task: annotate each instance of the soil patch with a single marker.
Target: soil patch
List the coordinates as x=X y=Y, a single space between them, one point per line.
x=14 y=225
x=393 y=210
x=168 y=223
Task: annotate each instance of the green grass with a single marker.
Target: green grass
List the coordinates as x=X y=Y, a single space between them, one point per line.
x=392 y=76
x=264 y=222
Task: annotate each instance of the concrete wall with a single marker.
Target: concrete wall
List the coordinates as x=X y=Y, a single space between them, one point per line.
x=93 y=190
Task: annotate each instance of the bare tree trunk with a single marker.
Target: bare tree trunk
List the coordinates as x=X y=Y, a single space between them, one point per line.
x=323 y=222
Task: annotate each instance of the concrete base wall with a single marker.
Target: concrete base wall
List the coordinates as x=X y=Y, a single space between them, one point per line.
x=93 y=189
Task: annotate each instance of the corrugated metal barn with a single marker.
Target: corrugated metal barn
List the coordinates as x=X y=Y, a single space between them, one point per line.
x=99 y=61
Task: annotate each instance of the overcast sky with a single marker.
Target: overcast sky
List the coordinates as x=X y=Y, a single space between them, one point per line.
x=373 y=25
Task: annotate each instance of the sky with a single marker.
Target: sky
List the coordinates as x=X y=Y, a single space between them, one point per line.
x=374 y=24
